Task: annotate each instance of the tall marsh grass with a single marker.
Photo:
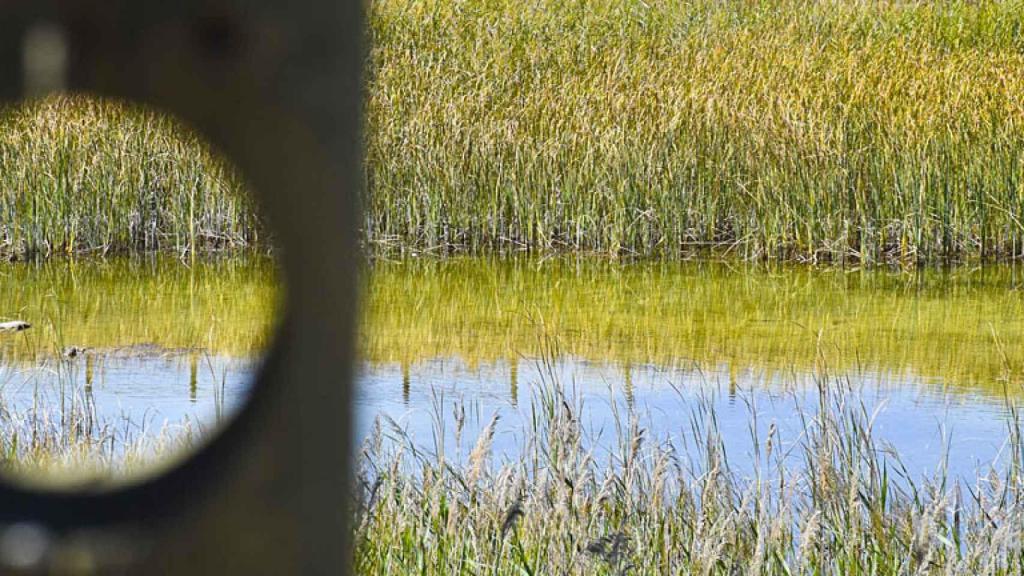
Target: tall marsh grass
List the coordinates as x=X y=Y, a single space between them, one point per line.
x=833 y=500
x=61 y=440
x=80 y=174
x=824 y=130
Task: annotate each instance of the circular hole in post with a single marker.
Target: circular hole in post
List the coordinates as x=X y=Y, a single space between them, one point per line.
x=139 y=290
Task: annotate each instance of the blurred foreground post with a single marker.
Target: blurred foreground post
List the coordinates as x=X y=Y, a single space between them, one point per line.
x=276 y=86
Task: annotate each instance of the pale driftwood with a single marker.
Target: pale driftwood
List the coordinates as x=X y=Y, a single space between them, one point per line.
x=14 y=326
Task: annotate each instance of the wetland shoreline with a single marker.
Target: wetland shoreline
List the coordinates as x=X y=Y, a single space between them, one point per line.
x=607 y=141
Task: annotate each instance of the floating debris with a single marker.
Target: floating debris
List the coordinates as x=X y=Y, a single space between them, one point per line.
x=14 y=326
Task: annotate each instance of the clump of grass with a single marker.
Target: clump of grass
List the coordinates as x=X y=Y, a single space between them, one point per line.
x=80 y=174
x=61 y=441
x=833 y=501
x=825 y=131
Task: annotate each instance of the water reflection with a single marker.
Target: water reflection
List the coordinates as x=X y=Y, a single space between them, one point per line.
x=934 y=354
x=127 y=360
x=165 y=350
x=926 y=425
x=960 y=326
x=106 y=307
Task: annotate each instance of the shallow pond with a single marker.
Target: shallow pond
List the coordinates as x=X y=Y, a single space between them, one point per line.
x=155 y=345
x=124 y=350
x=931 y=356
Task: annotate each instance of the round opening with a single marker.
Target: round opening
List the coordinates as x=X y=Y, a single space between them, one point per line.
x=139 y=287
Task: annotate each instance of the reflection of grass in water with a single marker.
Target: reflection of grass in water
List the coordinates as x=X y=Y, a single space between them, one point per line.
x=222 y=305
x=933 y=323
x=661 y=506
x=214 y=306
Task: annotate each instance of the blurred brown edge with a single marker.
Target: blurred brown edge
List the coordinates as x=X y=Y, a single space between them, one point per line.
x=277 y=87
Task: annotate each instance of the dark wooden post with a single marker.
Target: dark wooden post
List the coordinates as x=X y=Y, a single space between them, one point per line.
x=277 y=87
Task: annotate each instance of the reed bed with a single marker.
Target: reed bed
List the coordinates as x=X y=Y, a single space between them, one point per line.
x=85 y=175
x=833 y=500
x=55 y=432
x=60 y=440
x=821 y=131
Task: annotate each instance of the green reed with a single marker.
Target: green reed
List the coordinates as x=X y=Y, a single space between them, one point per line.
x=824 y=131
x=80 y=174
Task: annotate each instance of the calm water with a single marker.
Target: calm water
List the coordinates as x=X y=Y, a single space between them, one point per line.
x=131 y=347
x=935 y=354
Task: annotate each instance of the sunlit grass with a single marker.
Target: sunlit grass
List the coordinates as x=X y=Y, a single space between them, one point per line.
x=831 y=500
x=825 y=130
x=60 y=438
x=85 y=175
